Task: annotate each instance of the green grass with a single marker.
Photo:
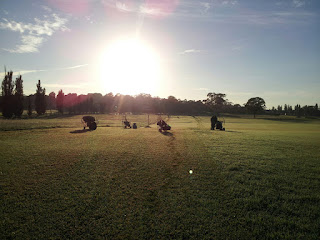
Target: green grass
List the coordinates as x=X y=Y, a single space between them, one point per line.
x=70 y=121
x=258 y=179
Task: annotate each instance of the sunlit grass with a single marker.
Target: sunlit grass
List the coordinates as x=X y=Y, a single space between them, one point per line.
x=73 y=121
x=258 y=179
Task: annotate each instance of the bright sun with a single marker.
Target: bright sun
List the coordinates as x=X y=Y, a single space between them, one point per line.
x=129 y=67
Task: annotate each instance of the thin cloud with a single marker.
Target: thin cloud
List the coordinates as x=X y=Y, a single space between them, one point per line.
x=150 y=11
x=188 y=9
x=285 y=17
x=237 y=48
x=122 y=7
x=89 y=19
x=77 y=66
x=298 y=3
x=46 y=8
x=29 y=71
x=23 y=72
x=190 y=51
x=33 y=34
x=40 y=27
x=73 y=86
x=228 y=2
x=202 y=89
x=206 y=6
x=29 y=44
x=154 y=9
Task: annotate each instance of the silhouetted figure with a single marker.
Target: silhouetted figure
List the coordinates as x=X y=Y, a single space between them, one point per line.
x=214 y=120
x=163 y=126
x=126 y=123
x=134 y=126
x=219 y=125
x=89 y=121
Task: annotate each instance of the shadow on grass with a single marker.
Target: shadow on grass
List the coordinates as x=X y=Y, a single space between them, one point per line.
x=167 y=134
x=28 y=128
x=232 y=131
x=81 y=131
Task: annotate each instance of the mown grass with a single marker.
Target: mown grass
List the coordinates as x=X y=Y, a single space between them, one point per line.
x=71 y=121
x=258 y=179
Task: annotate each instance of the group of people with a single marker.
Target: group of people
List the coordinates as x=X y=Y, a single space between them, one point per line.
x=89 y=121
x=216 y=124
x=162 y=125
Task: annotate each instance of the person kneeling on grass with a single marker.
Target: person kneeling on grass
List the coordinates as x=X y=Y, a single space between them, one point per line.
x=163 y=126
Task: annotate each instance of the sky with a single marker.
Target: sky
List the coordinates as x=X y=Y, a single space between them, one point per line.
x=183 y=48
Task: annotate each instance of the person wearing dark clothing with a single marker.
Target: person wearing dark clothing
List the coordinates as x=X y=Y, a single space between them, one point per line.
x=214 y=120
x=163 y=126
x=89 y=121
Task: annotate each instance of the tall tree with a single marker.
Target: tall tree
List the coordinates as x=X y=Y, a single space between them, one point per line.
x=255 y=105
x=7 y=95
x=108 y=99
x=18 y=95
x=298 y=110
x=285 y=109
x=52 y=101
x=316 y=109
x=290 y=111
x=40 y=101
x=172 y=105
x=60 y=101
x=216 y=101
x=279 y=109
x=29 y=106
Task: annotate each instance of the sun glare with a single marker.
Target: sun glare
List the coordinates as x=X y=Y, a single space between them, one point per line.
x=129 y=67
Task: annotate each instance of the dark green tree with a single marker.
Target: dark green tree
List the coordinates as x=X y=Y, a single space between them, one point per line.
x=255 y=105
x=60 y=101
x=108 y=99
x=18 y=97
x=40 y=101
x=290 y=110
x=29 y=106
x=52 y=101
x=316 y=109
x=172 y=105
x=298 y=110
x=285 y=109
x=8 y=106
x=216 y=101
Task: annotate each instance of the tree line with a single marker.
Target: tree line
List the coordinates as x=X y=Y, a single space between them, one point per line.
x=12 y=96
x=296 y=110
x=13 y=103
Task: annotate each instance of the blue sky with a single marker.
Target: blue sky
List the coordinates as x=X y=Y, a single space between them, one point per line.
x=244 y=48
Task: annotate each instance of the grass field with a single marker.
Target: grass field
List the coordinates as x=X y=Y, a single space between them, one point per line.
x=260 y=179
